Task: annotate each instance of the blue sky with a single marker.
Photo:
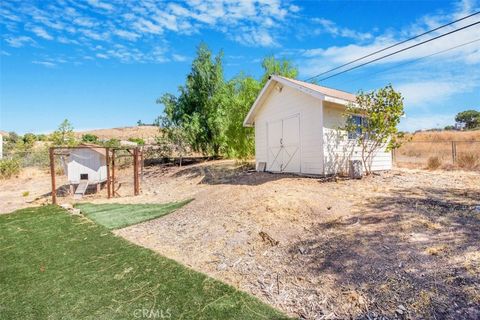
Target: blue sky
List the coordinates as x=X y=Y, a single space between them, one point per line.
x=102 y=63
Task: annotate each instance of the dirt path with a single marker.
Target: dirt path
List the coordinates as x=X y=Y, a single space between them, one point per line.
x=402 y=244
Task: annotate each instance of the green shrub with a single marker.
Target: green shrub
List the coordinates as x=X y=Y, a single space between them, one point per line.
x=112 y=143
x=138 y=141
x=9 y=167
x=89 y=138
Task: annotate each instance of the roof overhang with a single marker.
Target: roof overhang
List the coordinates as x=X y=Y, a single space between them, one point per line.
x=270 y=85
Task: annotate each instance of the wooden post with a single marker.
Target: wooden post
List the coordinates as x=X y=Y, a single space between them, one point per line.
x=135 y=171
x=142 y=161
x=454 y=152
x=139 y=169
x=107 y=155
x=52 y=174
x=113 y=173
x=134 y=157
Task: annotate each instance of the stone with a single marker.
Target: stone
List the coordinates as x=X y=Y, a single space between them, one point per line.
x=66 y=206
x=222 y=266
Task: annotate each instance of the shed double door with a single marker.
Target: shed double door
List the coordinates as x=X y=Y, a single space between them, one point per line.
x=284 y=145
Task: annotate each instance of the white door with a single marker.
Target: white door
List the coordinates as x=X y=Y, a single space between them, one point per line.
x=274 y=147
x=291 y=144
x=284 y=145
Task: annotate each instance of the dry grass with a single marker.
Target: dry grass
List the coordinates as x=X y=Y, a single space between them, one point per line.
x=423 y=149
x=144 y=132
x=468 y=161
x=445 y=136
x=433 y=163
x=436 y=250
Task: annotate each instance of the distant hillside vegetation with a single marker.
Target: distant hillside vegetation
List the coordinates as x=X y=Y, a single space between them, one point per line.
x=144 y=132
x=446 y=136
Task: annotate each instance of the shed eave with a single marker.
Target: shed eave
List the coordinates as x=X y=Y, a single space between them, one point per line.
x=250 y=118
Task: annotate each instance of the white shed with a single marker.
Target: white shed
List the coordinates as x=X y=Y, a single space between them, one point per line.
x=297 y=129
x=86 y=163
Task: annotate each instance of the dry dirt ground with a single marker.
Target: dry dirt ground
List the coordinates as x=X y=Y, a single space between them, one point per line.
x=403 y=244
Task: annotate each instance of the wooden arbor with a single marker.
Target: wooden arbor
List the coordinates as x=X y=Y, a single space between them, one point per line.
x=110 y=159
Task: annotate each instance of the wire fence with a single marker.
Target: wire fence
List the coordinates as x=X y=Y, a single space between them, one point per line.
x=31 y=158
x=439 y=155
x=415 y=154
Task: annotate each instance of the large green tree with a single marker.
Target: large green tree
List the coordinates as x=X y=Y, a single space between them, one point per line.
x=210 y=111
x=196 y=110
x=238 y=97
x=279 y=67
x=470 y=118
x=240 y=94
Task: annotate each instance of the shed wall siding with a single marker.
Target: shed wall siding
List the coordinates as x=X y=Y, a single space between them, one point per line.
x=87 y=161
x=288 y=102
x=338 y=149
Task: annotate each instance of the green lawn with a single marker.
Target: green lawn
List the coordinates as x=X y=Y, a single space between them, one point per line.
x=114 y=215
x=57 y=266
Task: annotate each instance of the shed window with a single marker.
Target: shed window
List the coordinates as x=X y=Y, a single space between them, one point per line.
x=358 y=121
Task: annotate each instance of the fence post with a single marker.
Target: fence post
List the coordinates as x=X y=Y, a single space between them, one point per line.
x=107 y=160
x=454 y=152
x=52 y=175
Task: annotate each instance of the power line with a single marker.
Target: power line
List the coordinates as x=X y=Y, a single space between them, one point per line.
x=416 y=60
x=401 y=50
x=393 y=45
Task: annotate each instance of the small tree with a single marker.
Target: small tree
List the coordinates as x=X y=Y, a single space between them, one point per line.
x=372 y=121
x=173 y=140
x=64 y=135
x=470 y=118
x=89 y=138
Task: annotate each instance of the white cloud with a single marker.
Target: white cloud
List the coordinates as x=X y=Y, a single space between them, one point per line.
x=48 y=64
x=85 y=22
x=94 y=34
x=42 y=33
x=178 y=57
x=65 y=40
x=255 y=23
x=147 y=26
x=320 y=59
x=330 y=27
x=101 y=56
x=101 y=5
x=132 y=36
x=18 y=42
x=293 y=8
x=255 y=37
